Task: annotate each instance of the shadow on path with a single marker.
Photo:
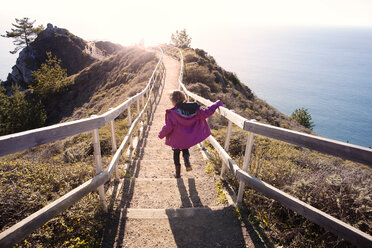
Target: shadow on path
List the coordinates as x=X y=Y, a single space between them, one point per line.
x=205 y=228
x=116 y=218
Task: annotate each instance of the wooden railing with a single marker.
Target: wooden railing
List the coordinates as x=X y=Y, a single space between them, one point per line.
x=323 y=145
x=16 y=142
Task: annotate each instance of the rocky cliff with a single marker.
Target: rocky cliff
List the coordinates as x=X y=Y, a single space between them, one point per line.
x=74 y=52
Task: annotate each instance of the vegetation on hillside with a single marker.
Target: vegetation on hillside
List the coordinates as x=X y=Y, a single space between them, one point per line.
x=303 y=117
x=25 y=110
x=338 y=187
x=103 y=85
x=203 y=76
x=33 y=178
x=20 y=111
x=49 y=78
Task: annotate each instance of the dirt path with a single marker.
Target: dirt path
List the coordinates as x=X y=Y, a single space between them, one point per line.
x=153 y=209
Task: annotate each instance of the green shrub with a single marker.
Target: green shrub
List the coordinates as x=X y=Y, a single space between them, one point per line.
x=19 y=113
x=195 y=73
x=49 y=78
x=303 y=117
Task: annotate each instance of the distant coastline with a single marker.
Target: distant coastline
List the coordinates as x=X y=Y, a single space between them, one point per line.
x=324 y=70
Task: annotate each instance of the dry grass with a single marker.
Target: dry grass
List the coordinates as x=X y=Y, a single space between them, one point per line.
x=33 y=178
x=338 y=187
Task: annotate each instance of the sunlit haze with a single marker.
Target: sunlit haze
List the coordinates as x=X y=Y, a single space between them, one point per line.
x=127 y=22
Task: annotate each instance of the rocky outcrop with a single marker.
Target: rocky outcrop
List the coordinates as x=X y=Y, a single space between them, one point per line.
x=70 y=49
x=107 y=47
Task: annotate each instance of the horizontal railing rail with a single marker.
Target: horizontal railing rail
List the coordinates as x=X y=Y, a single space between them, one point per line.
x=23 y=140
x=17 y=232
x=328 y=146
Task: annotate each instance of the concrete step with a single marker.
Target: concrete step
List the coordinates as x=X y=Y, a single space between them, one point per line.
x=152 y=168
x=201 y=227
x=164 y=153
x=168 y=193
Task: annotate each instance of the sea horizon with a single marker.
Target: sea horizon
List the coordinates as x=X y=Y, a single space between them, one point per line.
x=327 y=70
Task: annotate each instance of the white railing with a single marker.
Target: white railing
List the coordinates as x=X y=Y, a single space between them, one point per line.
x=19 y=141
x=323 y=145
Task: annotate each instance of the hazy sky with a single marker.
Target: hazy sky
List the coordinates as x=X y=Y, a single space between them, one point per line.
x=127 y=22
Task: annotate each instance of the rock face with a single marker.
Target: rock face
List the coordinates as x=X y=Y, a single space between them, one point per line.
x=72 y=50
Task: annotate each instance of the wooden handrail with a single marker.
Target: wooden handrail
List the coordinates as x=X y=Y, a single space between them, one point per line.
x=324 y=145
x=328 y=146
x=16 y=142
x=19 y=231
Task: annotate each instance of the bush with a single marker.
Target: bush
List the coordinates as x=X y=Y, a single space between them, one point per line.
x=195 y=73
x=303 y=117
x=200 y=89
x=48 y=79
x=17 y=113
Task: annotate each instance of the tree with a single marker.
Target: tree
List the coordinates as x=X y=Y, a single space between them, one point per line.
x=303 y=117
x=19 y=113
x=23 y=34
x=181 y=39
x=48 y=79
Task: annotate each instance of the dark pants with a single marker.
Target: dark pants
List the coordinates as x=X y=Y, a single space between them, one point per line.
x=185 y=154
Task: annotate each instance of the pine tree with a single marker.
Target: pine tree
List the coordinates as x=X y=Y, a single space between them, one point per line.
x=23 y=34
x=303 y=117
x=181 y=39
x=48 y=79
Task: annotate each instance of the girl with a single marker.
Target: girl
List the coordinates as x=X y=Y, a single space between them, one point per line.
x=185 y=126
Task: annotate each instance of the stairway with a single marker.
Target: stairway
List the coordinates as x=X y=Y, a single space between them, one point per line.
x=153 y=209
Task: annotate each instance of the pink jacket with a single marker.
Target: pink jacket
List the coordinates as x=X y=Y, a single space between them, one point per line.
x=183 y=132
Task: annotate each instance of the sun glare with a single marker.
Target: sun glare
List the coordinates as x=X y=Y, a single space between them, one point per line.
x=127 y=22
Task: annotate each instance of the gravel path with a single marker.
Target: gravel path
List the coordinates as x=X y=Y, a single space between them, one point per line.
x=153 y=209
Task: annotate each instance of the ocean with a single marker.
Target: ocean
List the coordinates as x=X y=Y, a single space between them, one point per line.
x=326 y=70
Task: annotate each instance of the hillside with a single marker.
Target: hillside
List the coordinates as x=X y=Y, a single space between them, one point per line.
x=206 y=78
x=333 y=185
x=71 y=49
x=102 y=85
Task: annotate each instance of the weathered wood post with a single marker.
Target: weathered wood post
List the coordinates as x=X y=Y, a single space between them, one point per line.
x=129 y=125
x=114 y=145
x=227 y=145
x=149 y=108
x=247 y=157
x=98 y=161
x=138 y=112
x=143 y=105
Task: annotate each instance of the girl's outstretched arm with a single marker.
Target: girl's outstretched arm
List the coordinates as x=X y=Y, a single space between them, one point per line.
x=167 y=129
x=205 y=113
